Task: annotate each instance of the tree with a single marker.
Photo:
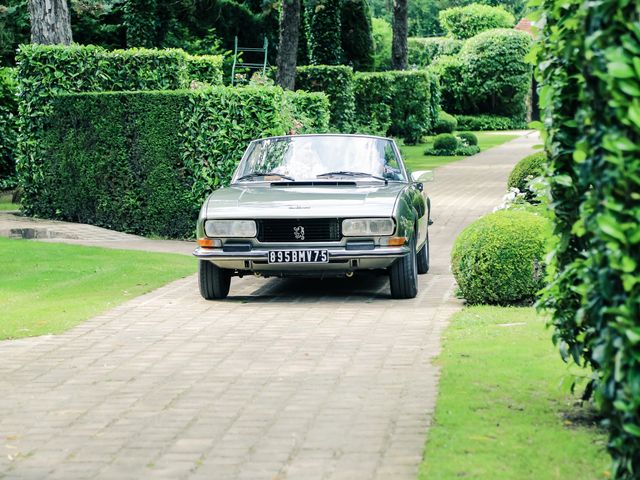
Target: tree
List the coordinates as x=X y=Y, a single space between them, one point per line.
x=50 y=22
x=325 y=44
x=399 y=50
x=357 y=38
x=288 y=45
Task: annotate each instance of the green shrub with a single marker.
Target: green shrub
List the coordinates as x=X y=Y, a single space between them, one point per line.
x=139 y=18
x=498 y=259
x=325 y=30
x=144 y=162
x=357 y=38
x=468 y=138
x=373 y=97
x=310 y=111
x=450 y=71
x=468 y=21
x=423 y=51
x=337 y=82
x=446 y=142
x=382 y=39
x=497 y=76
x=489 y=122
x=8 y=127
x=445 y=123
x=588 y=64
x=525 y=170
x=467 y=150
x=47 y=70
x=205 y=68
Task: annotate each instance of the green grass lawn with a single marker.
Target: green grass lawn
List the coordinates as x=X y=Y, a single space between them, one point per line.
x=5 y=202
x=415 y=159
x=503 y=410
x=50 y=287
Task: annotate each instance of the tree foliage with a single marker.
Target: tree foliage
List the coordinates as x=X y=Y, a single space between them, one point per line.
x=467 y=22
x=325 y=32
x=357 y=37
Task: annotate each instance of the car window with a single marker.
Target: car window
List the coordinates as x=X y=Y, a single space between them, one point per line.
x=308 y=157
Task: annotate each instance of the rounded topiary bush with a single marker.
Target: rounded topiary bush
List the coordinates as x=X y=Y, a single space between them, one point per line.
x=445 y=123
x=526 y=169
x=468 y=138
x=446 y=142
x=498 y=259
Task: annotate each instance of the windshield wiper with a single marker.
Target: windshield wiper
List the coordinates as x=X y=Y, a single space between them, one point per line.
x=347 y=173
x=265 y=174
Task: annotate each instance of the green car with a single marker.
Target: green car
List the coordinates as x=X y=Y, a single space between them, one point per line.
x=316 y=206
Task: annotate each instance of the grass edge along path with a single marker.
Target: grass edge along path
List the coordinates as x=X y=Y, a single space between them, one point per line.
x=415 y=158
x=47 y=288
x=503 y=408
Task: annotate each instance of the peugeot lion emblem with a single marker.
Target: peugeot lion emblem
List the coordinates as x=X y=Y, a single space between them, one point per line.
x=298 y=232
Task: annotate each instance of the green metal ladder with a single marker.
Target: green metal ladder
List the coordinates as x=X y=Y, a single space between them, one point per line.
x=242 y=65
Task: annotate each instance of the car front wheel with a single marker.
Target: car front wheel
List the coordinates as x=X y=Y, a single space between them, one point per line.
x=423 y=257
x=214 y=281
x=403 y=275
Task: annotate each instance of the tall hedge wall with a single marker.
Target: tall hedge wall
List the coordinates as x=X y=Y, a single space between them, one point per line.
x=143 y=162
x=8 y=127
x=590 y=76
x=45 y=71
x=401 y=103
x=337 y=82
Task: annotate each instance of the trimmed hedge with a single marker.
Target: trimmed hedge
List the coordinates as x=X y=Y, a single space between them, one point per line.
x=450 y=72
x=489 y=122
x=590 y=94
x=446 y=142
x=8 y=127
x=400 y=103
x=469 y=138
x=143 y=162
x=47 y=70
x=207 y=69
x=445 y=123
x=468 y=21
x=498 y=259
x=423 y=51
x=325 y=32
x=525 y=170
x=357 y=37
x=337 y=82
x=310 y=111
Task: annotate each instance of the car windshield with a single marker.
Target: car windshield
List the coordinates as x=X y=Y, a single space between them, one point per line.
x=323 y=157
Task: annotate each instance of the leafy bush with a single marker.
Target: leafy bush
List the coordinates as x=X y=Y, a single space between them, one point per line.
x=357 y=38
x=373 y=96
x=445 y=141
x=450 y=71
x=144 y=162
x=47 y=70
x=445 y=123
x=588 y=66
x=205 y=68
x=324 y=35
x=498 y=259
x=468 y=138
x=489 y=122
x=466 y=22
x=310 y=111
x=8 y=127
x=525 y=170
x=497 y=77
x=467 y=150
x=423 y=51
x=382 y=39
x=337 y=82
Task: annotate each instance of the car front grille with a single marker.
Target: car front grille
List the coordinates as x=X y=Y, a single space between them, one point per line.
x=300 y=230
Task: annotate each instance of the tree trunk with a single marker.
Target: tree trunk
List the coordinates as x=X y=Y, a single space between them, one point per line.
x=50 y=22
x=399 y=51
x=288 y=46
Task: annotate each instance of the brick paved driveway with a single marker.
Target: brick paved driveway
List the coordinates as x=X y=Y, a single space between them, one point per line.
x=286 y=379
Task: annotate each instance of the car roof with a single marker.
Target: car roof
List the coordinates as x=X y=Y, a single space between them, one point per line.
x=355 y=135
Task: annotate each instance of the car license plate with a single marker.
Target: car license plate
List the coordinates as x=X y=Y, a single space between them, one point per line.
x=298 y=256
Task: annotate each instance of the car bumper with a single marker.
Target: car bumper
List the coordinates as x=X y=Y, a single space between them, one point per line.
x=340 y=259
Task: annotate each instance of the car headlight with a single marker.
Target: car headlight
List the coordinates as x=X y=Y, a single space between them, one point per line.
x=230 y=228
x=367 y=227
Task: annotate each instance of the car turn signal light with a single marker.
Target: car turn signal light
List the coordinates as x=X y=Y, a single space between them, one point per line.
x=209 y=242
x=397 y=241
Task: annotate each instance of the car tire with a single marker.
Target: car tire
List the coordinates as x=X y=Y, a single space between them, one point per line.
x=403 y=275
x=214 y=281
x=423 y=257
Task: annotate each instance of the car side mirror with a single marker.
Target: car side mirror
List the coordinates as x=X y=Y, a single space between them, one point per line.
x=422 y=176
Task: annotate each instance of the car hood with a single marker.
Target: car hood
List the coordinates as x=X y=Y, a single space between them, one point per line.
x=264 y=201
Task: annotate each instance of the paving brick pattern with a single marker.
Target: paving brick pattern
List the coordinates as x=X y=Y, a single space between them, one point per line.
x=285 y=380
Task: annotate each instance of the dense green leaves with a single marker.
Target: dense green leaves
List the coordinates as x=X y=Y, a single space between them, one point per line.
x=325 y=32
x=357 y=37
x=489 y=122
x=589 y=73
x=423 y=51
x=499 y=259
x=528 y=168
x=468 y=21
x=8 y=127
